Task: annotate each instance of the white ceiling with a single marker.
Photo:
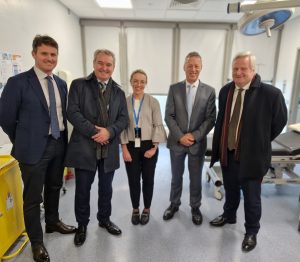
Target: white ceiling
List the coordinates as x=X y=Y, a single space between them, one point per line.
x=158 y=10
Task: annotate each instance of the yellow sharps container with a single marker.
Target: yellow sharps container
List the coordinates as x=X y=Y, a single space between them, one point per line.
x=11 y=203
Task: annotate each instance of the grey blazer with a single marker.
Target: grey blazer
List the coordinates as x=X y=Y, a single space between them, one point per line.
x=202 y=119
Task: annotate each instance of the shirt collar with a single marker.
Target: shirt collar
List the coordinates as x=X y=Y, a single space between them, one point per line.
x=195 y=84
x=40 y=74
x=245 y=87
x=104 y=82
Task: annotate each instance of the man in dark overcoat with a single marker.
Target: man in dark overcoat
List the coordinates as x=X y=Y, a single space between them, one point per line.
x=98 y=111
x=251 y=114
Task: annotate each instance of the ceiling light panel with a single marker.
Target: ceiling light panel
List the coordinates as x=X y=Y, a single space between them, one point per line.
x=122 y=4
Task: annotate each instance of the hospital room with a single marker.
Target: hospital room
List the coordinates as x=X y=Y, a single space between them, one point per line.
x=146 y=130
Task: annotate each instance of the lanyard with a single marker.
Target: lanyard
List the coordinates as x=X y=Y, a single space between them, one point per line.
x=136 y=117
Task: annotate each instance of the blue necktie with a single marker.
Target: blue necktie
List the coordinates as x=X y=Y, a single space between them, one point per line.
x=53 y=113
x=189 y=100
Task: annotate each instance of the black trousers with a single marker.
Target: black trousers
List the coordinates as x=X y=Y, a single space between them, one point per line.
x=141 y=167
x=47 y=174
x=251 y=191
x=84 y=181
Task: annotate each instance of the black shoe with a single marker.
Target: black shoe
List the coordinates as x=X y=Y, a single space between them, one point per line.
x=40 y=253
x=170 y=211
x=135 y=218
x=145 y=217
x=60 y=227
x=196 y=216
x=110 y=227
x=221 y=221
x=80 y=235
x=249 y=242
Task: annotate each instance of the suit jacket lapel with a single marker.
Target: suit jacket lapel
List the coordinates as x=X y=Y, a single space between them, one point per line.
x=182 y=90
x=198 y=95
x=36 y=86
x=196 y=100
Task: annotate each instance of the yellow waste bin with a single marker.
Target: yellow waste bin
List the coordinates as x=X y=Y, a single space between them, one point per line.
x=11 y=203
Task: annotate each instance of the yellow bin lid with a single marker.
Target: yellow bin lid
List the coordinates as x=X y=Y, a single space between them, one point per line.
x=5 y=162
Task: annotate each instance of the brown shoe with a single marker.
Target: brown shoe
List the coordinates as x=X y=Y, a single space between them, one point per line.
x=60 y=227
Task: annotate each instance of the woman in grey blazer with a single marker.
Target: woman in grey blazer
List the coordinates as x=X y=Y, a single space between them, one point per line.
x=140 y=144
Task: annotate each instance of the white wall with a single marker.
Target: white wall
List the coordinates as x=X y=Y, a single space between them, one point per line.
x=94 y=40
x=151 y=50
x=156 y=48
x=21 y=20
x=287 y=57
x=211 y=46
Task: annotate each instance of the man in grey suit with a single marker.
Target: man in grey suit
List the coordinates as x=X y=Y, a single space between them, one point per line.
x=190 y=115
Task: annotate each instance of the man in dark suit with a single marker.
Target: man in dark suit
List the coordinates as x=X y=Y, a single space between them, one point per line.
x=98 y=111
x=33 y=115
x=190 y=115
x=251 y=114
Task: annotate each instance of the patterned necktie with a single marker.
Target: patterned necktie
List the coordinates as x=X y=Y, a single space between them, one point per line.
x=102 y=86
x=189 y=100
x=233 y=125
x=53 y=113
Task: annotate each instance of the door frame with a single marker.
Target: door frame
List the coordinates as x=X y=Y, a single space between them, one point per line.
x=295 y=97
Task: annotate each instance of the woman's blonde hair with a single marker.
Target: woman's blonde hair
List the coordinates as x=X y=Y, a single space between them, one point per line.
x=139 y=71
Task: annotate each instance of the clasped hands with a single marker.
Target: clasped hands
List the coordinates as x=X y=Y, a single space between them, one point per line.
x=102 y=135
x=187 y=140
x=127 y=157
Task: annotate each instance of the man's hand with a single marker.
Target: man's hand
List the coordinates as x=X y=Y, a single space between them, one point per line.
x=102 y=136
x=187 y=140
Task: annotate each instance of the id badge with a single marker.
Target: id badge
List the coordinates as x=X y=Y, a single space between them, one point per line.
x=137 y=142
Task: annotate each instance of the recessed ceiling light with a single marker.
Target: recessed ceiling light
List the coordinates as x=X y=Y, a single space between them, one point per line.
x=249 y=1
x=115 y=3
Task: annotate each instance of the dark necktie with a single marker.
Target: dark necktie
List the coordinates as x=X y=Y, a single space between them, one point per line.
x=233 y=125
x=102 y=87
x=53 y=113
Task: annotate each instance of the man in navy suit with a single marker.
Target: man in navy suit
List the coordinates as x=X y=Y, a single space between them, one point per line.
x=33 y=115
x=190 y=115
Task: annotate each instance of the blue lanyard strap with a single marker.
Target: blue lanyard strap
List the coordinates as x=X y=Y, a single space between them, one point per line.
x=136 y=117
